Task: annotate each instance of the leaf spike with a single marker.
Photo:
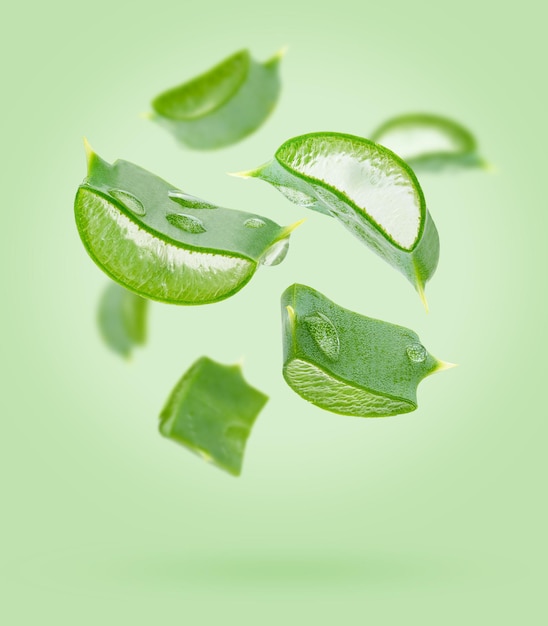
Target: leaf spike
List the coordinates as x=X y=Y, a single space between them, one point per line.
x=89 y=152
x=422 y=295
x=445 y=365
x=276 y=58
x=289 y=229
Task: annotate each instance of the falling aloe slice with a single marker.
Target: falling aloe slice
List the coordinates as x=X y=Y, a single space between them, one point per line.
x=164 y=244
x=122 y=319
x=429 y=142
x=349 y=363
x=365 y=186
x=222 y=106
x=211 y=411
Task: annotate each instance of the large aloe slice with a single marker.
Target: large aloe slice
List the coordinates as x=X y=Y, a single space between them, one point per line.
x=163 y=244
x=429 y=142
x=211 y=411
x=368 y=188
x=349 y=363
x=223 y=105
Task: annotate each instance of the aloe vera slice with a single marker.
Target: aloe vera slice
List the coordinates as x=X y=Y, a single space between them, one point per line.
x=368 y=188
x=429 y=142
x=211 y=411
x=223 y=105
x=348 y=363
x=161 y=243
x=122 y=317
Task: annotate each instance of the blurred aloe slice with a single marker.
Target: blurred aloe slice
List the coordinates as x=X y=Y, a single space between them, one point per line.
x=368 y=188
x=166 y=245
x=122 y=318
x=223 y=105
x=348 y=363
x=430 y=142
x=211 y=411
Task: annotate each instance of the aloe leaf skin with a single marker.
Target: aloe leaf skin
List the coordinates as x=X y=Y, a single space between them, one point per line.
x=122 y=319
x=348 y=363
x=211 y=411
x=222 y=106
x=401 y=231
x=160 y=243
x=429 y=142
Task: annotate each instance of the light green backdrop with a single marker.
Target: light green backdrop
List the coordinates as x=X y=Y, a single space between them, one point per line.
x=436 y=517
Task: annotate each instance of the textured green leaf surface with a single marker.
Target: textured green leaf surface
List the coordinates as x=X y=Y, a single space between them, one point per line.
x=211 y=411
x=429 y=142
x=223 y=105
x=162 y=243
x=122 y=318
x=348 y=363
x=365 y=186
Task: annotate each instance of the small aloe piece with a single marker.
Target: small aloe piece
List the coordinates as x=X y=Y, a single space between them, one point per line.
x=122 y=317
x=368 y=188
x=429 y=142
x=348 y=363
x=211 y=411
x=164 y=244
x=223 y=105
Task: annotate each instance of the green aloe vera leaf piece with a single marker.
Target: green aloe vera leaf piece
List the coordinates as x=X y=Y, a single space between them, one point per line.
x=223 y=105
x=368 y=188
x=348 y=363
x=429 y=142
x=160 y=243
x=211 y=411
x=122 y=318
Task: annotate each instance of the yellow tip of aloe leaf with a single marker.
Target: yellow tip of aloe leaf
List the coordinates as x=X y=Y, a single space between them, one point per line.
x=444 y=365
x=89 y=151
x=290 y=313
x=147 y=115
x=246 y=174
x=289 y=229
x=422 y=295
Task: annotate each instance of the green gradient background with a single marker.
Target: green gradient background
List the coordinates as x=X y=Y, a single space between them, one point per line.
x=437 y=517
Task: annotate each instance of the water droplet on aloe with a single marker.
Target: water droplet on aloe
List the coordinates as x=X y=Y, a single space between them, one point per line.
x=188 y=223
x=188 y=201
x=254 y=222
x=128 y=200
x=276 y=253
x=325 y=334
x=416 y=352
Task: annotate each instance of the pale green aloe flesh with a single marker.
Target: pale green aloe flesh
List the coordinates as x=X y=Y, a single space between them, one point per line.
x=122 y=317
x=348 y=363
x=429 y=142
x=166 y=245
x=368 y=188
x=211 y=411
x=223 y=105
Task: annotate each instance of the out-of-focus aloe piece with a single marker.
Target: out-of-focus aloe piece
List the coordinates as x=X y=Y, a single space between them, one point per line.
x=223 y=105
x=166 y=245
x=429 y=142
x=122 y=318
x=348 y=363
x=211 y=411
x=368 y=188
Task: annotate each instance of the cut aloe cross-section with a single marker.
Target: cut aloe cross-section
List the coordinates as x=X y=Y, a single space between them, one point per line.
x=223 y=105
x=211 y=411
x=368 y=188
x=348 y=363
x=122 y=317
x=166 y=245
x=429 y=142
